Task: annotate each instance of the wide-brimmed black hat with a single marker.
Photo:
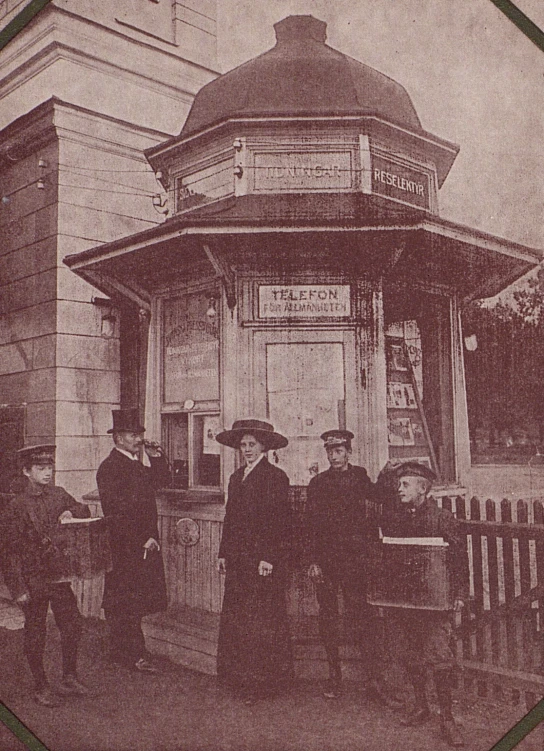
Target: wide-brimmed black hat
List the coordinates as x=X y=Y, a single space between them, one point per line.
x=43 y=453
x=263 y=432
x=415 y=469
x=127 y=420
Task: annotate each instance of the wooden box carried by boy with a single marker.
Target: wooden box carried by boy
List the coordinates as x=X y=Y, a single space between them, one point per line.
x=409 y=572
x=84 y=548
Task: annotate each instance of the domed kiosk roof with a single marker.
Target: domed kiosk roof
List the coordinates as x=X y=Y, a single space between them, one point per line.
x=301 y=76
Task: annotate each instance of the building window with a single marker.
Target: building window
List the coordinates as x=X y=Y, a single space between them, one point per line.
x=12 y=435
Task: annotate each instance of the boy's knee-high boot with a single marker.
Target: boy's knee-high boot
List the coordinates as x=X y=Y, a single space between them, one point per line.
x=421 y=712
x=444 y=680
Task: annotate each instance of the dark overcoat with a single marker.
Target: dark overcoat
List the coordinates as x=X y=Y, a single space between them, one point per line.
x=30 y=519
x=338 y=518
x=135 y=585
x=254 y=650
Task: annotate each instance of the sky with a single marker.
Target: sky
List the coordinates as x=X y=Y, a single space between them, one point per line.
x=473 y=77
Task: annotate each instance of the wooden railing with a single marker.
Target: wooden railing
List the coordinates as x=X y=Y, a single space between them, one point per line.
x=500 y=639
x=500 y=636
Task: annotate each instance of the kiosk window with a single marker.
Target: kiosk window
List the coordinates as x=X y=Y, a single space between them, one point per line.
x=419 y=379
x=193 y=452
x=190 y=348
x=190 y=387
x=205 y=465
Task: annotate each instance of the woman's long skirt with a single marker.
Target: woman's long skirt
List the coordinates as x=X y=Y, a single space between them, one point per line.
x=254 y=652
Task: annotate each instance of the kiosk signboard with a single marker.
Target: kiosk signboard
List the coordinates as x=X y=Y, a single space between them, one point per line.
x=400 y=182
x=303 y=171
x=304 y=301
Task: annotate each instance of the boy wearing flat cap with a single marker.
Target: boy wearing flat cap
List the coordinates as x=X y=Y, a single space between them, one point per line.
x=423 y=637
x=33 y=571
x=339 y=530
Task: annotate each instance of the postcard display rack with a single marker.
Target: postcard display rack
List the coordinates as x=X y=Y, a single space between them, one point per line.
x=407 y=431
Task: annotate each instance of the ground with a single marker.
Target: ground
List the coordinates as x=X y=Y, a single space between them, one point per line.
x=180 y=710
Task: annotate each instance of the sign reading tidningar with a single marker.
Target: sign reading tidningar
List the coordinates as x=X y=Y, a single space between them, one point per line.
x=304 y=301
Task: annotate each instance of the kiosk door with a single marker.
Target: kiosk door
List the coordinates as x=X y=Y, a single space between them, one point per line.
x=305 y=383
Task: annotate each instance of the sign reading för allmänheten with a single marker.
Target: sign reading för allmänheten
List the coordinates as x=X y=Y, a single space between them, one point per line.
x=304 y=301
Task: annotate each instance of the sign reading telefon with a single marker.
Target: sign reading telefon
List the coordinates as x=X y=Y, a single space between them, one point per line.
x=304 y=301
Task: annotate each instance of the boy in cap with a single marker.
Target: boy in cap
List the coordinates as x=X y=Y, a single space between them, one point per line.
x=423 y=637
x=339 y=529
x=32 y=572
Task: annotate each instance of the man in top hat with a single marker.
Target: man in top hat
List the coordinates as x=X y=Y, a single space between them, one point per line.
x=339 y=529
x=422 y=638
x=135 y=586
x=34 y=571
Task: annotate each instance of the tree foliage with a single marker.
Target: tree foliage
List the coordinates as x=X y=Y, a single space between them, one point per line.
x=504 y=373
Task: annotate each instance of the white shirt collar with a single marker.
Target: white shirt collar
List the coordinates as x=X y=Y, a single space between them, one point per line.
x=249 y=467
x=132 y=457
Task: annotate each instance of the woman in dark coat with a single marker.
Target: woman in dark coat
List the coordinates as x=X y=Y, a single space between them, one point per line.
x=254 y=654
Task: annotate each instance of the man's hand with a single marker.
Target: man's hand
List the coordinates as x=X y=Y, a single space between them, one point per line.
x=222 y=565
x=390 y=466
x=152 y=449
x=265 y=569
x=458 y=605
x=315 y=573
x=23 y=599
x=151 y=545
x=66 y=515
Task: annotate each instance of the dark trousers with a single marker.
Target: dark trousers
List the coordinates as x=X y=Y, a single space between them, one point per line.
x=351 y=583
x=68 y=619
x=421 y=639
x=127 y=643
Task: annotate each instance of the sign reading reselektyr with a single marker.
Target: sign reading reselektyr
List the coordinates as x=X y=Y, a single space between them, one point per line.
x=304 y=301
x=402 y=183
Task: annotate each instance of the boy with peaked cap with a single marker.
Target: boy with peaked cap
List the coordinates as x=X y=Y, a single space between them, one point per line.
x=423 y=637
x=339 y=529
x=33 y=574
x=135 y=586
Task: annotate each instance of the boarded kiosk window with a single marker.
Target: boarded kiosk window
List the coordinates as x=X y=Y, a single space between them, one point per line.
x=419 y=379
x=190 y=388
x=306 y=396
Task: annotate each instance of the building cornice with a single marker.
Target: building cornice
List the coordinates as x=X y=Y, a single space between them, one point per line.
x=54 y=119
x=58 y=34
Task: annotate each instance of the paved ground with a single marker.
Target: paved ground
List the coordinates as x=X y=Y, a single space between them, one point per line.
x=184 y=711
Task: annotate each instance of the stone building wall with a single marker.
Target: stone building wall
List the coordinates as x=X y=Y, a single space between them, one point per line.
x=84 y=89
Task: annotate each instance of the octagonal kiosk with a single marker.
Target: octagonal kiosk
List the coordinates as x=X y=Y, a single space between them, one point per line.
x=304 y=276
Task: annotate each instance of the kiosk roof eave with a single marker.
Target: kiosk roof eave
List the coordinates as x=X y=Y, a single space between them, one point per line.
x=474 y=263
